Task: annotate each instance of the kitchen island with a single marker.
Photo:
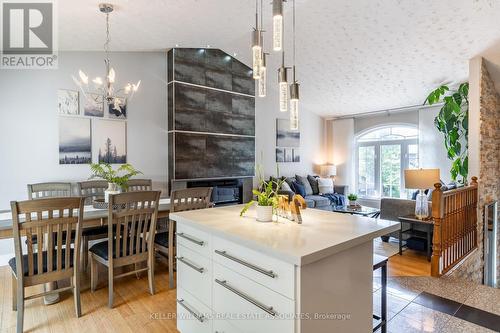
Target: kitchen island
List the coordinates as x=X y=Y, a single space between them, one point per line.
x=235 y=274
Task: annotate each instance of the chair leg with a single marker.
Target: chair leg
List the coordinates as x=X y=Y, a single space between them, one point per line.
x=110 y=287
x=151 y=274
x=76 y=294
x=14 y=292
x=94 y=274
x=20 y=308
x=85 y=251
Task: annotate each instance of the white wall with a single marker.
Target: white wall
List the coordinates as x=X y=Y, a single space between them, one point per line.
x=29 y=120
x=311 y=136
x=341 y=144
x=432 y=152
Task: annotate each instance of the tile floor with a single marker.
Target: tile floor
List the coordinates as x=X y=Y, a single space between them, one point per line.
x=426 y=304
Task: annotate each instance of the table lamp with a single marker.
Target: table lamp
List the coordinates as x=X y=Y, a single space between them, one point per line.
x=421 y=179
x=328 y=170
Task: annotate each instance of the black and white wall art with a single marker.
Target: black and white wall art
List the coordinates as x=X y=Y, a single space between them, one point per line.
x=118 y=111
x=93 y=105
x=110 y=141
x=284 y=136
x=74 y=140
x=67 y=102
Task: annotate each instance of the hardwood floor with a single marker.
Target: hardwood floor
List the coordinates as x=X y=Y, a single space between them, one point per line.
x=135 y=309
x=411 y=263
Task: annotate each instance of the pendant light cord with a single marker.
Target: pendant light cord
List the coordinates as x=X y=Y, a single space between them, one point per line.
x=293 y=33
x=257 y=15
x=106 y=44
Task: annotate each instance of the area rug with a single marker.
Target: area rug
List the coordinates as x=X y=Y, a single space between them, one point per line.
x=385 y=249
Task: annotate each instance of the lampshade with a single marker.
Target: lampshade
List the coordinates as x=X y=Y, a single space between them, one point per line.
x=421 y=178
x=328 y=170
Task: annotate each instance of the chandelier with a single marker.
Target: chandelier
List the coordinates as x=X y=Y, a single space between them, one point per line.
x=115 y=99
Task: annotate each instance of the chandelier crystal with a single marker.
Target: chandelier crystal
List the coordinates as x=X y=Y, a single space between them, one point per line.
x=115 y=98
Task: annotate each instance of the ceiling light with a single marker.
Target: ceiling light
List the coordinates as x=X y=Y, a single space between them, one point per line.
x=283 y=85
x=277 y=25
x=262 y=84
x=294 y=88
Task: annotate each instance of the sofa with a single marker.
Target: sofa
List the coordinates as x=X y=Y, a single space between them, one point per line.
x=314 y=199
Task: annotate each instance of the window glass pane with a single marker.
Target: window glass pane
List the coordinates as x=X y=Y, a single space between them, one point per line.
x=366 y=171
x=390 y=169
x=390 y=133
x=413 y=156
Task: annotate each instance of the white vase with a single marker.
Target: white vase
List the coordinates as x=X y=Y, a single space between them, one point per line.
x=352 y=202
x=112 y=189
x=264 y=213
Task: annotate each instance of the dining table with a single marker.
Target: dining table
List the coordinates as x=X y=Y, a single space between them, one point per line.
x=92 y=217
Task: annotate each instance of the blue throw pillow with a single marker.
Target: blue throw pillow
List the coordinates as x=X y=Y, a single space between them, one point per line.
x=299 y=189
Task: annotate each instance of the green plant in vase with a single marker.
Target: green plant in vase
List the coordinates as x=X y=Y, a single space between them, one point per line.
x=352 y=199
x=266 y=197
x=117 y=179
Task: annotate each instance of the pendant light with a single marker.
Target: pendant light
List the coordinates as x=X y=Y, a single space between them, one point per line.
x=283 y=84
x=262 y=84
x=294 y=88
x=277 y=25
x=256 y=45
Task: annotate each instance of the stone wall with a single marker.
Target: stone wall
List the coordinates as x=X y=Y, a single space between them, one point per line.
x=489 y=174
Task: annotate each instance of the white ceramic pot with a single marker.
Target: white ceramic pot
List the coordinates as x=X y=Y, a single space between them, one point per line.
x=352 y=202
x=264 y=213
x=112 y=189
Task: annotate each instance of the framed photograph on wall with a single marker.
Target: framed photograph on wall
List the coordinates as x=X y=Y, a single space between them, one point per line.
x=288 y=154
x=75 y=145
x=93 y=105
x=110 y=141
x=119 y=110
x=280 y=155
x=284 y=136
x=67 y=102
x=295 y=155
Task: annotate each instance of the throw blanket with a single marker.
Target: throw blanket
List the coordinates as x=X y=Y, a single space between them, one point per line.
x=335 y=199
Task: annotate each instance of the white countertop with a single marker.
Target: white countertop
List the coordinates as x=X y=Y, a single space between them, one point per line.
x=320 y=235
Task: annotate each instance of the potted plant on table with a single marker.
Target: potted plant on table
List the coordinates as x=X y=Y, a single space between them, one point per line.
x=117 y=179
x=352 y=199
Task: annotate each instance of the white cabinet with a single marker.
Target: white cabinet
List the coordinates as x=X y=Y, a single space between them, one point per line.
x=192 y=315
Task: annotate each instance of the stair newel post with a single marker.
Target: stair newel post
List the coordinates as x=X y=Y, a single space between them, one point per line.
x=437 y=215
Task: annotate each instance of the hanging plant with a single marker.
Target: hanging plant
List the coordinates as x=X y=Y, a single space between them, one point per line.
x=452 y=121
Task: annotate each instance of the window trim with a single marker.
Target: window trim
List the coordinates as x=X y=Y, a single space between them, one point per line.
x=404 y=158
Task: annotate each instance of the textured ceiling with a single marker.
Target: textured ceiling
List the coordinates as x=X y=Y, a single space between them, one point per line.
x=352 y=56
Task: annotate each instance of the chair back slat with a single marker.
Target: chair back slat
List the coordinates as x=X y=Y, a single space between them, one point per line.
x=49 y=190
x=134 y=216
x=135 y=185
x=50 y=220
x=190 y=199
x=92 y=190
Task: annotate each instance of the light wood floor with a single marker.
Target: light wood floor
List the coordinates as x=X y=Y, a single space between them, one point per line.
x=135 y=309
x=411 y=263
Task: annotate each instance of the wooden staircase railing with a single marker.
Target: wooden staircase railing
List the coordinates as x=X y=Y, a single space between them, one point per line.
x=455 y=226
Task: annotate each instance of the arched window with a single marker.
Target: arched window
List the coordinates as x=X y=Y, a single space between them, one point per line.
x=382 y=154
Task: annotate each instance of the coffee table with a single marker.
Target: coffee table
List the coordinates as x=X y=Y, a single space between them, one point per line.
x=361 y=210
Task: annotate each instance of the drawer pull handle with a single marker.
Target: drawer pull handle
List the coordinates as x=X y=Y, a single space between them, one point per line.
x=246 y=263
x=199 y=317
x=193 y=266
x=268 y=309
x=190 y=238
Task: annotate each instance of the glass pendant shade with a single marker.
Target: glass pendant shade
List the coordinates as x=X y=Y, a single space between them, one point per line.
x=262 y=78
x=283 y=89
x=256 y=53
x=294 y=106
x=277 y=25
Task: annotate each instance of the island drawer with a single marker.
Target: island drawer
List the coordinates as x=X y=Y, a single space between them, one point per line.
x=222 y=326
x=270 y=272
x=194 y=239
x=192 y=315
x=248 y=306
x=194 y=274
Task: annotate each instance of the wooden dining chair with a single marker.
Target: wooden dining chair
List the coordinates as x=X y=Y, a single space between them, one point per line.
x=139 y=185
x=49 y=190
x=131 y=241
x=91 y=190
x=180 y=200
x=52 y=258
